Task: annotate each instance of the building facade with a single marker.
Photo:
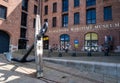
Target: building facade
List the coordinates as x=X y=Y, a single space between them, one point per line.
x=78 y=24
x=17 y=22
x=82 y=24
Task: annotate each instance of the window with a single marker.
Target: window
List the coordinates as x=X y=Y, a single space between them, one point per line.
x=24 y=19
x=105 y=0
x=107 y=13
x=34 y=21
x=3 y=12
x=36 y=0
x=65 y=20
x=65 y=5
x=5 y=0
x=23 y=33
x=90 y=2
x=54 y=21
x=76 y=18
x=46 y=10
x=76 y=3
x=91 y=16
x=22 y=44
x=35 y=9
x=91 y=42
x=25 y=5
x=64 y=41
x=54 y=7
x=45 y=0
x=45 y=20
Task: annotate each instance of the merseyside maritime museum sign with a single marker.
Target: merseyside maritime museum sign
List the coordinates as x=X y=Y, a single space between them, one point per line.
x=89 y=27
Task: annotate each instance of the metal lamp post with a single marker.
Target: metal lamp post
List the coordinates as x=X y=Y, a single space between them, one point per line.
x=38 y=45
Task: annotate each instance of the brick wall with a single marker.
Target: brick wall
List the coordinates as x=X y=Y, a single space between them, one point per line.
x=12 y=24
x=54 y=33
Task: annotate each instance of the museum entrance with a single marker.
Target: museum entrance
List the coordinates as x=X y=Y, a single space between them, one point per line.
x=64 y=40
x=91 y=42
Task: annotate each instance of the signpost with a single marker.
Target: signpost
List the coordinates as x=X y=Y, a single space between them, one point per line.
x=38 y=43
x=38 y=49
x=76 y=43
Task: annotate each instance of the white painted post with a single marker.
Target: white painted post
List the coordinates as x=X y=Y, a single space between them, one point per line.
x=38 y=49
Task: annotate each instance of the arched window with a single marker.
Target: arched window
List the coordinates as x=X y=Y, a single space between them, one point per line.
x=64 y=40
x=91 y=42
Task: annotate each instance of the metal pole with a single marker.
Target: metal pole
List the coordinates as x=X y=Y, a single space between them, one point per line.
x=38 y=46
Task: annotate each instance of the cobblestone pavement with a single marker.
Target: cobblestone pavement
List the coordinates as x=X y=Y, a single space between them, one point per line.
x=53 y=73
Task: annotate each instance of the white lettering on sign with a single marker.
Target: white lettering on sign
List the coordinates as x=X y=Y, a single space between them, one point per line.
x=89 y=27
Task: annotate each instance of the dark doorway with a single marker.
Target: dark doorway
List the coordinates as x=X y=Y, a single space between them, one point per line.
x=45 y=42
x=22 y=44
x=4 y=42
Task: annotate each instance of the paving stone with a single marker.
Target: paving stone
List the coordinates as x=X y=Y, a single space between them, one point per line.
x=110 y=80
x=118 y=81
x=107 y=70
x=89 y=72
x=87 y=67
x=118 y=70
x=95 y=76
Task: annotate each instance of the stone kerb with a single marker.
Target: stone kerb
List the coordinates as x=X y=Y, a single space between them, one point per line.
x=106 y=69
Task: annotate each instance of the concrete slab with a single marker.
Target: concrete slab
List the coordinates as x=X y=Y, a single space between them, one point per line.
x=11 y=74
x=105 y=70
x=118 y=70
x=81 y=70
x=25 y=73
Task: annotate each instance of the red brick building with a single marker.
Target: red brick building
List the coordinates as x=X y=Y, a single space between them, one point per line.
x=17 y=24
x=82 y=24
